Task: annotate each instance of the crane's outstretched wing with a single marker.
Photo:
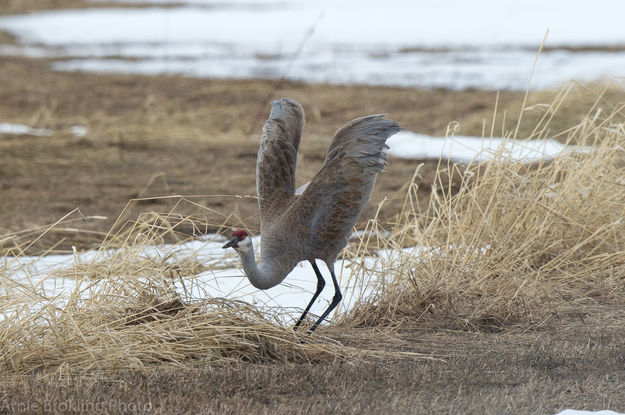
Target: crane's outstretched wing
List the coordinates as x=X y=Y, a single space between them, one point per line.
x=332 y=201
x=277 y=158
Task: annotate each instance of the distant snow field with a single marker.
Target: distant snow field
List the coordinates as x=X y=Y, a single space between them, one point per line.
x=451 y=43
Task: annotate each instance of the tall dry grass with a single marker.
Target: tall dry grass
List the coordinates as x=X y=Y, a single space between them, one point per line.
x=518 y=244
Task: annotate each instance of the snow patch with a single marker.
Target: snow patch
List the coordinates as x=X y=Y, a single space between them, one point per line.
x=409 y=145
x=10 y=128
x=78 y=130
x=45 y=276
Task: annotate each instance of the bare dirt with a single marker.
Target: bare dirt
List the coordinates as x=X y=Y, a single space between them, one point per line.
x=478 y=373
x=168 y=135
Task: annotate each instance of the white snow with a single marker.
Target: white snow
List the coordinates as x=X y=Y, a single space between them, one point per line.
x=409 y=145
x=45 y=276
x=450 y=43
x=11 y=128
x=78 y=130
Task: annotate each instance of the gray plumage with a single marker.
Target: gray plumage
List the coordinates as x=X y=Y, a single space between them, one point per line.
x=316 y=223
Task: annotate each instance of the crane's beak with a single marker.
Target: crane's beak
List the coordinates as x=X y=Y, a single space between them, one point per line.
x=232 y=243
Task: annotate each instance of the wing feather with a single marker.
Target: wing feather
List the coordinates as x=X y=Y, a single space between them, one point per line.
x=277 y=159
x=335 y=197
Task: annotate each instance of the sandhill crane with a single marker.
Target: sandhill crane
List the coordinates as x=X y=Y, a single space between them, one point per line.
x=315 y=224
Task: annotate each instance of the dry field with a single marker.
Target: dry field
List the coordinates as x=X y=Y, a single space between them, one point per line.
x=518 y=307
x=156 y=136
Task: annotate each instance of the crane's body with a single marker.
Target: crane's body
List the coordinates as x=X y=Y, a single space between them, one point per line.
x=316 y=223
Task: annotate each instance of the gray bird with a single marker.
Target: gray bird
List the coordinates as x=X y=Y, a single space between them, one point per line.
x=315 y=221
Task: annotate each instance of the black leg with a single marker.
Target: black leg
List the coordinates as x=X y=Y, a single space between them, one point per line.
x=320 y=284
x=335 y=300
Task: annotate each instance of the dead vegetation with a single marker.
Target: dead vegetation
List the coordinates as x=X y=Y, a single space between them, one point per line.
x=129 y=310
x=515 y=244
x=125 y=313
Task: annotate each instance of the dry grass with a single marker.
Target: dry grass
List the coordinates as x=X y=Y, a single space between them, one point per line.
x=516 y=243
x=551 y=113
x=125 y=313
x=484 y=374
x=131 y=311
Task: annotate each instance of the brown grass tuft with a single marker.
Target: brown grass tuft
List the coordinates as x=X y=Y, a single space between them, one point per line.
x=515 y=244
x=126 y=313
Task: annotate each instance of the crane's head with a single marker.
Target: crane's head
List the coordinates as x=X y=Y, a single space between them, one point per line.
x=237 y=237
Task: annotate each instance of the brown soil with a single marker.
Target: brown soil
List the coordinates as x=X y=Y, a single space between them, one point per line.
x=477 y=373
x=171 y=135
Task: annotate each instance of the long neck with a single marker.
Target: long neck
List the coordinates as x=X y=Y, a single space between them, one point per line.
x=262 y=277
